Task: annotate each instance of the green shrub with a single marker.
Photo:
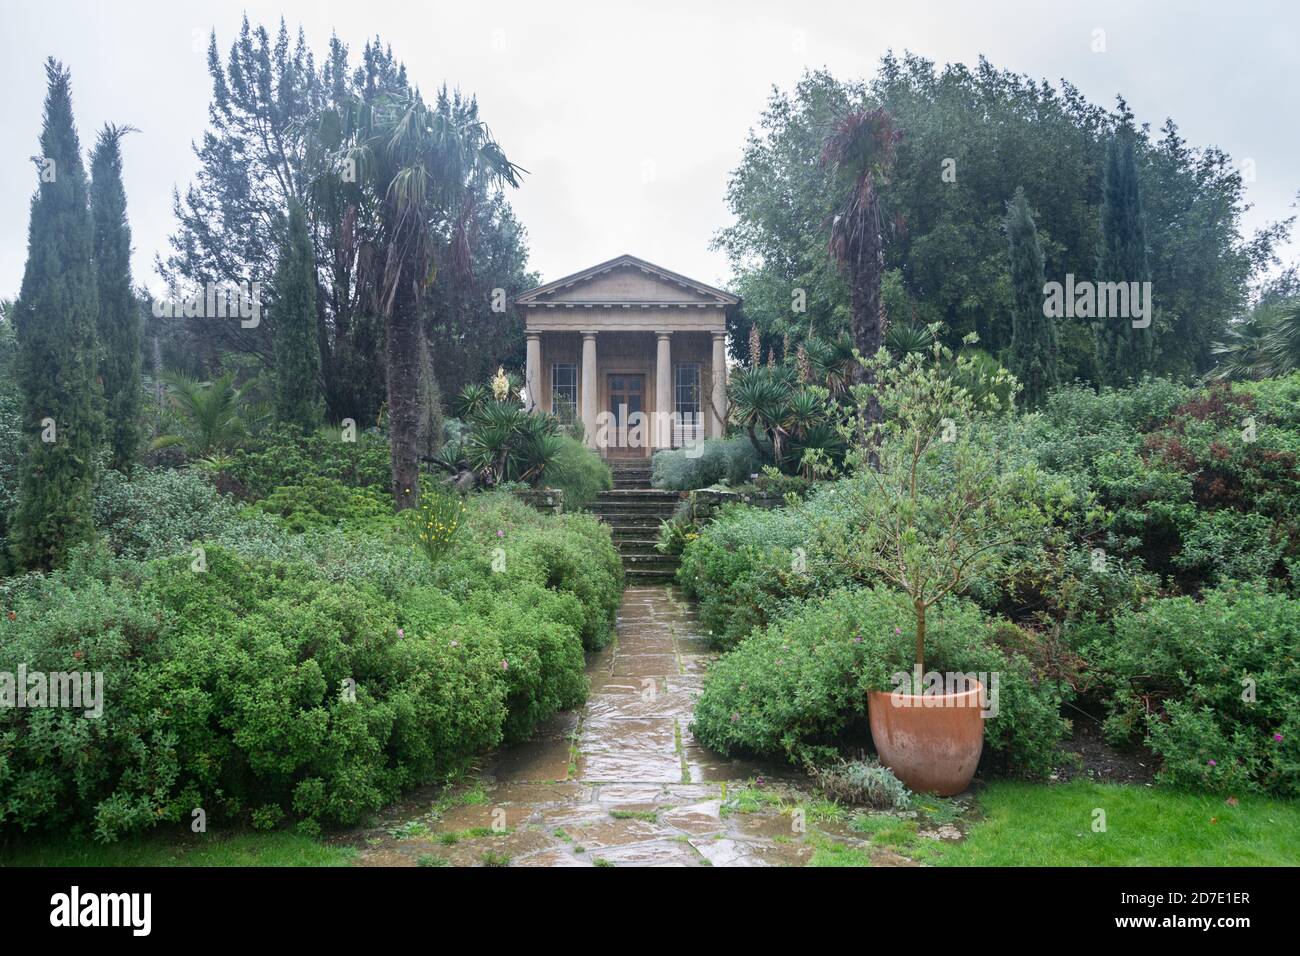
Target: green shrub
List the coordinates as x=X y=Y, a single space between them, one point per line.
x=714 y=461
x=799 y=686
x=284 y=455
x=578 y=472
x=306 y=677
x=1210 y=686
x=319 y=502
x=159 y=512
x=749 y=563
x=433 y=524
x=1222 y=546
x=863 y=782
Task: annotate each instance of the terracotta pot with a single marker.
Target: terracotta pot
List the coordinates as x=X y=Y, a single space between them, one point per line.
x=931 y=742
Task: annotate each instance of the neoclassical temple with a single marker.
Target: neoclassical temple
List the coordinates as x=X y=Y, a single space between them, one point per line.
x=634 y=350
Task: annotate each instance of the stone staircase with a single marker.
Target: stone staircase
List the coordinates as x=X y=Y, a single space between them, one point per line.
x=633 y=510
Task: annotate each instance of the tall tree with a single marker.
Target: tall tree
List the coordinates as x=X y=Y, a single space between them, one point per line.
x=424 y=167
x=57 y=352
x=859 y=152
x=119 y=309
x=973 y=133
x=1033 y=334
x=293 y=322
x=267 y=144
x=1124 y=353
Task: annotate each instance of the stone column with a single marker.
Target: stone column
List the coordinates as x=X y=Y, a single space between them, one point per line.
x=718 y=426
x=589 y=388
x=663 y=430
x=533 y=371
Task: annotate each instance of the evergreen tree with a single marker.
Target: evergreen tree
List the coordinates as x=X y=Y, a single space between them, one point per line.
x=293 y=319
x=1124 y=353
x=119 y=309
x=57 y=353
x=1033 y=334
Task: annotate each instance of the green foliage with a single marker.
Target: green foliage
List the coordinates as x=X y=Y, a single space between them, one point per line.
x=1033 y=334
x=863 y=782
x=745 y=564
x=433 y=523
x=1213 y=687
x=293 y=314
x=11 y=437
x=800 y=685
x=1124 y=353
x=283 y=456
x=55 y=317
x=938 y=508
x=944 y=253
x=305 y=678
x=157 y=513
x=578 y=472
x=208 y=417
x=788 y=422
x=715 y=461
x=119 y=323
x=246 y=177
x=320 y=502
x=504 y=442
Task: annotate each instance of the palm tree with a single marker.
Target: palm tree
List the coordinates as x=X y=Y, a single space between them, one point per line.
x=858 y=154
x=418 y=170
x=210 y=417
x=1264 y=345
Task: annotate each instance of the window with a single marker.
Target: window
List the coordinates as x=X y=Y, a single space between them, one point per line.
x=688 y=422
x=564 y=391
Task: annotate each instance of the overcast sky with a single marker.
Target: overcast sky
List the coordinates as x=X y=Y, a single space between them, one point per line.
x=630 y=117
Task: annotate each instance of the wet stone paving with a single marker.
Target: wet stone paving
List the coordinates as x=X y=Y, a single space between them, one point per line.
x=620 y=783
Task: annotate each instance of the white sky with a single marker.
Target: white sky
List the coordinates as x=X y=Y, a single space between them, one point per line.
x=630 y=116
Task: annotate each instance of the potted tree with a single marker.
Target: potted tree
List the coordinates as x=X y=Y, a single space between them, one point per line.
x=936 y=508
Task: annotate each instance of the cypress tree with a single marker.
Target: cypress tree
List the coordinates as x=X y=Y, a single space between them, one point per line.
x=1033 y=334
x=1124 y=353
x=297 y=350
x=119 y=309
x=57 y=352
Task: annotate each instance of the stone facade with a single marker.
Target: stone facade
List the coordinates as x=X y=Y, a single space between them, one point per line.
x=633 y=351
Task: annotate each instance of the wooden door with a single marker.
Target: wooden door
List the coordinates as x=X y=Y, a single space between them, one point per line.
x=628 y=437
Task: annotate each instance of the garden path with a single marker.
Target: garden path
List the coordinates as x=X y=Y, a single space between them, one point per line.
x=623 y=782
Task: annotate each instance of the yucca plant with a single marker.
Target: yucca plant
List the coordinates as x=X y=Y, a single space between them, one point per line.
x=473 y=398
x=904 y=338
x=832 y=363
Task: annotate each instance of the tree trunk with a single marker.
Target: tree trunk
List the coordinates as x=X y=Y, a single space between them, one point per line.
x=402 y=355
x=867 y=312
x=920 y=639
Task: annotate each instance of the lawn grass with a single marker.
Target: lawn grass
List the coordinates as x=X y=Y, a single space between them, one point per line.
x=1027 y=824
x=212 y=849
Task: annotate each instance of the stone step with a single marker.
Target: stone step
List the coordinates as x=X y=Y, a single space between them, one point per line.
x=635 y=533
x=637 y=576
x=616 y=515
x=632 y=484
x=639 y=494
x=628 y=546
x=654 y=560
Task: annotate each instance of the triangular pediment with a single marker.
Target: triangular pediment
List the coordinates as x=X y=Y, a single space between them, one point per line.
x=626 y=280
